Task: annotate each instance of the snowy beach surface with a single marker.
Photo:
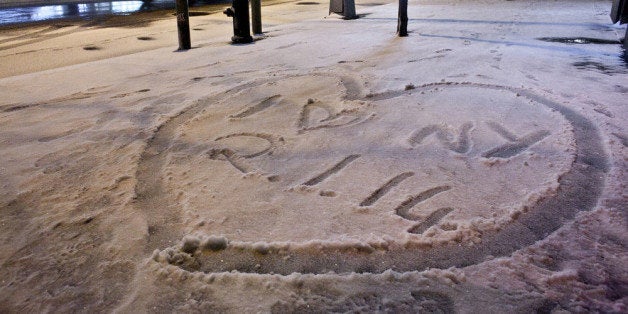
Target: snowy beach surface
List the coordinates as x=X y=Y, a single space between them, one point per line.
x=477 y=165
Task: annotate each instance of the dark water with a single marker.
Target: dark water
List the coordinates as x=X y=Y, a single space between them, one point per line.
x=580 y=40
x=84 y=11
x=597 y=41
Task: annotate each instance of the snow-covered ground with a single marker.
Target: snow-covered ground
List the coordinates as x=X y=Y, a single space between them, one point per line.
x=478 y=165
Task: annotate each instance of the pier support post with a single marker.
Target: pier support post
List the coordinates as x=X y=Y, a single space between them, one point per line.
x=183 y=24
x=256 y=16
x=402 y=20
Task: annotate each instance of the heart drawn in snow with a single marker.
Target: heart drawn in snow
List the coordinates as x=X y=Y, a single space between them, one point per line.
x=316 y=115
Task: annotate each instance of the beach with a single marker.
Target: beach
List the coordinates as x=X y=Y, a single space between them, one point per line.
x=478 y=164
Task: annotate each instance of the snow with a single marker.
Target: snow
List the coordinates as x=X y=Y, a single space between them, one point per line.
x=328 y=166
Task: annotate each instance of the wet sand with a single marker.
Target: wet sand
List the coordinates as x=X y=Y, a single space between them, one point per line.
x=43 y=45
x=30 y=12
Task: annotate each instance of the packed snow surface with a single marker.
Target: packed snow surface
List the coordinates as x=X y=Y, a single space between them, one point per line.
x=330 y=166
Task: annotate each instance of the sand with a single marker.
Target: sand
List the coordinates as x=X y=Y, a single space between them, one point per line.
x=330 y=166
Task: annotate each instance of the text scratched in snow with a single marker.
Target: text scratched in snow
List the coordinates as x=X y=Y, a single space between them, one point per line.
x=289 y=180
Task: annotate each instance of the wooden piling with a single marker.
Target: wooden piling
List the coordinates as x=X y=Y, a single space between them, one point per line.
x=183 y=24
x=402 y=21
x=256 y=16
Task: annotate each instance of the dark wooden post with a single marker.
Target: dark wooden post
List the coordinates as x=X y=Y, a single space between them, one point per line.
x=183 y=24
x=402 y=21
x=349 y=9
x=256 y=16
